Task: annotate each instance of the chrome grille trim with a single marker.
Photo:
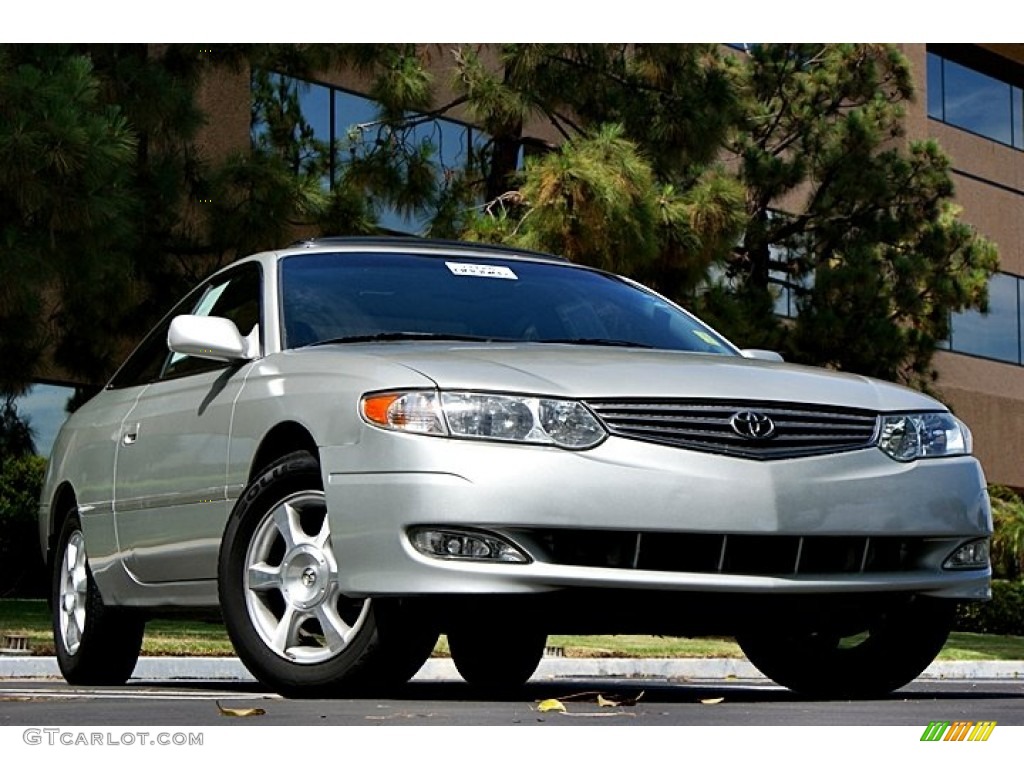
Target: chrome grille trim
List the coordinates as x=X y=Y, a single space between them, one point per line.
x=704 y=425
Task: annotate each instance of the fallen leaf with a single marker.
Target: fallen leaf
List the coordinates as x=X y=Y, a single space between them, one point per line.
x=626 y=701
x=551 y=705
x=719 y=700
x=244 y=712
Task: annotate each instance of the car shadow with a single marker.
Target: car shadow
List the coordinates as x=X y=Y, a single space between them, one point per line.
x=618 y=691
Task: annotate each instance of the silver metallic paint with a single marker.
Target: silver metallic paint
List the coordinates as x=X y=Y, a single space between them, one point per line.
x=152 y=533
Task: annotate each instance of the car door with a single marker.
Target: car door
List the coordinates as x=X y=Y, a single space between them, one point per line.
x=170 y=501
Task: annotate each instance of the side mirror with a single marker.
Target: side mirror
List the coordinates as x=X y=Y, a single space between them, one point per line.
x=762 y=354
x=212 y=338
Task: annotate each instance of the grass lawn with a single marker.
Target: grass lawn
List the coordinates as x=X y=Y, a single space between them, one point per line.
x=196 y=638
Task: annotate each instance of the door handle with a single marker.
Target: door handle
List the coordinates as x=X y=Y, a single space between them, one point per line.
x=130 y=435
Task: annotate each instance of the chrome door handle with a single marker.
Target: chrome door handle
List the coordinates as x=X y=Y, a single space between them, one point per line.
x=130 y=435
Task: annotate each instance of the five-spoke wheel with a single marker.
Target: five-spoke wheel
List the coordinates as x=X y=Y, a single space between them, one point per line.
x=289 y=622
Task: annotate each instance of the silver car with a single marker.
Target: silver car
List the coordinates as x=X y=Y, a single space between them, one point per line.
x=350 y=446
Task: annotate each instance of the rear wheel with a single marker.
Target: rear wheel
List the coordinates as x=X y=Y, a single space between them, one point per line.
x=496 y=657
x=95 y=644
x=288 y=620
x=884 y=653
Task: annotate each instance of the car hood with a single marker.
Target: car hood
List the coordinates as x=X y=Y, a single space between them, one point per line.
x=592 y=372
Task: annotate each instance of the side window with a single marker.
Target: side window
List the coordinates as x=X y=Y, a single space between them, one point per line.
x=146 y=361
x=236 y=297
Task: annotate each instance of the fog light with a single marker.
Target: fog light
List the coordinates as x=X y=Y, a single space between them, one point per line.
x=973 y=554
x=465 y=545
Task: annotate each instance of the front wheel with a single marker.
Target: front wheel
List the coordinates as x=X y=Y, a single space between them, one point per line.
x=886 y=652
x=289 y=622
x=95 y=644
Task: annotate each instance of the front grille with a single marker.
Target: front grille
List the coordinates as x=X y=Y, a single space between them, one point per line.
x=707 y=426
x=739 y=554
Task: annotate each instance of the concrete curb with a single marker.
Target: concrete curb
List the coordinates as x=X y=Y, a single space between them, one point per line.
x=162 y=668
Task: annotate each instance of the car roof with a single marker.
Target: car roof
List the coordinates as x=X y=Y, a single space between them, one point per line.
x=430 y=244
x=408 y=245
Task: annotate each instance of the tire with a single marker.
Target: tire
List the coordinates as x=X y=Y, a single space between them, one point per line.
x=95 y=644
x=493 y=658
x=889 y=651
x=288 y=621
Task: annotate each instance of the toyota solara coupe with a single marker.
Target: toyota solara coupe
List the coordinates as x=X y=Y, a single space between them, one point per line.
x=348 y=447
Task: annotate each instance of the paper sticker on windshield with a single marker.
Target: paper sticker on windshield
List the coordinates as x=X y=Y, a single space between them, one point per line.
x=481 y=270
x=707 y=338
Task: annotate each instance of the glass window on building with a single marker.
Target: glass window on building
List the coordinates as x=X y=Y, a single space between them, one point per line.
x=977 y=102
x=1017 y=103
x=293 y=117
x=982 y=103
x=336 y=128
x=995 y=334
x=355 y=126
x=935 y=87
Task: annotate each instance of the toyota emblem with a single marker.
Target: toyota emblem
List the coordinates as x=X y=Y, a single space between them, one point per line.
x=752 y=425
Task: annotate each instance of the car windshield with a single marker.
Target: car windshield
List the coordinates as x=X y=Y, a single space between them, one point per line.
x=360 y=297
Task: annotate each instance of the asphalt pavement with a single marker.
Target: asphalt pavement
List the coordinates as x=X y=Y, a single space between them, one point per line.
x=175 y=668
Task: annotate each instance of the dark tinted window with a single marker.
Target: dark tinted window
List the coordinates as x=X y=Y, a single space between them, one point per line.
x=339 y=296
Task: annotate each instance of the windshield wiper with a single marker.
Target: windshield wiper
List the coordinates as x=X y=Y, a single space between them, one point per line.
x=598 y=342
x=403 y=336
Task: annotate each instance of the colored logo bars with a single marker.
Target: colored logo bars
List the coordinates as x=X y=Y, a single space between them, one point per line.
x=944 y=730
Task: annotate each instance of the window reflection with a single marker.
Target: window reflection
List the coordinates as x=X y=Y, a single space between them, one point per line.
x=977 y=102
x=996 y=334
x=335 y=130
x=935 y=87
x=44 y=407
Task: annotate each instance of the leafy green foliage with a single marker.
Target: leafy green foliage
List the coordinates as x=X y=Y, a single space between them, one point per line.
x=789 y=165
x=1008 y=536
x=817 y=188
x=64 y=206
x=16 y=433
x=1002 y=615
x=22 y=570
x=870 y=238
x=712 y=177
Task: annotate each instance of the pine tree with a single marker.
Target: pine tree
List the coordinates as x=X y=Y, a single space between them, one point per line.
x=718 y=179
x=65 y=212
x=713 y=177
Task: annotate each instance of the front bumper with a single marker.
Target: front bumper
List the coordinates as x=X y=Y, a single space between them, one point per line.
x=388 y=483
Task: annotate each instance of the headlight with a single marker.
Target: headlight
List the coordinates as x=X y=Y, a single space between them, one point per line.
x=909 y=436
x=484 y=416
